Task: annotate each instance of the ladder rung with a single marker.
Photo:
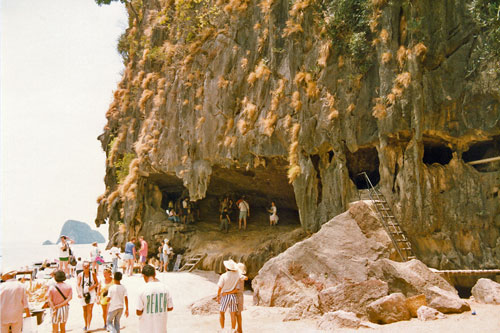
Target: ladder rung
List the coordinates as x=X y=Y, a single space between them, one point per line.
x=406 y=248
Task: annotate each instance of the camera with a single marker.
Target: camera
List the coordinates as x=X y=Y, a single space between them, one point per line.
x=86 y=297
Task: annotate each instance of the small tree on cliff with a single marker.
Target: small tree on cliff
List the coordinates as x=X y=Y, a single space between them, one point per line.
x=127 y=3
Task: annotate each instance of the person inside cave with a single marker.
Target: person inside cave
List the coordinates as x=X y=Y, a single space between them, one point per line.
x=273 y=218
x=172 y=216
x=244 y=208
x=185 y=206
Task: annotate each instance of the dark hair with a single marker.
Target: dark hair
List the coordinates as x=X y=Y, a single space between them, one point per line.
x=117 y=276
x=115 y=244
x=148 y=270
x=60 y=276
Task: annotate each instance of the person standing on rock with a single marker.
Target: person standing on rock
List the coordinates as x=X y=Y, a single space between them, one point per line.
x=228 y=285
x=13 y=302
x=153 y=304
x=143 y=251
x=244 y=212
x=224 y=220
x=129 y=256
x=273 y=218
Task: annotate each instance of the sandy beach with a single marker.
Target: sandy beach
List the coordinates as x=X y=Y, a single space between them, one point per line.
x=189 y=287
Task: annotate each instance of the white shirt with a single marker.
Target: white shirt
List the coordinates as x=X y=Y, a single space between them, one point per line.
x=243 y=206
x=65 y=253
x=228 y=281
x=114 y=252
x=166 y=250
x=117 y=293
x=154 y=300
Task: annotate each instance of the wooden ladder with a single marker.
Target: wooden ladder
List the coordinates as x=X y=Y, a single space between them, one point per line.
x=398 y=237
x=192 y=262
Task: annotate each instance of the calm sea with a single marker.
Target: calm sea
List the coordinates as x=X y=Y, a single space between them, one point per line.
x=18 y=255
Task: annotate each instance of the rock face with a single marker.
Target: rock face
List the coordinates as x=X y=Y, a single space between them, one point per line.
x=80 y=232
x=426 y=313
x=345 y=266
x=486 y=291
x=242 y=97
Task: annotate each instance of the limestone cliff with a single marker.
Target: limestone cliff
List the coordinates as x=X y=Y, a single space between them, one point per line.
x=291 y=100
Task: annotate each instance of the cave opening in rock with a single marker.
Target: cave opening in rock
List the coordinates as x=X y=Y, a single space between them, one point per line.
x=483 y=150
x=436 y=152
x=363 y=160
x=260 y=186
x=171 y=188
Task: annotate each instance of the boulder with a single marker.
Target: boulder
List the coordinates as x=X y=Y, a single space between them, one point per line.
x=351 y=296
x=486 y=291
x=332 y=321
x=388 y=309
x=339 y=252
x=205 y=306
x=409 y=278
x=307 y=308
x=413 y=303
x=446 y=301
x=426 y=313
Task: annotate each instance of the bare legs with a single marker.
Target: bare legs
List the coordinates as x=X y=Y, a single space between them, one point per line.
x=222 y=318
x=87 y=314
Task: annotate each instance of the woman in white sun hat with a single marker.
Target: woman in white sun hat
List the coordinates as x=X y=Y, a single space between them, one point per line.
x=242 y=269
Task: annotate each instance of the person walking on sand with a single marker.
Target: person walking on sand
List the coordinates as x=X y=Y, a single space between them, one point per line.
x=64 y=254
x=103 y=292
x=129 y=256
x=167 y=252
x=95 y=253
x=153 y=303
x=160 y=256
x=228 y=285
x=13 y=302
x=273 y=218
x=242 y=269
x=86 y=287
x=117 y=294
x=244 y=212
x=143 y=251
x=115 y=255
x=59 y=296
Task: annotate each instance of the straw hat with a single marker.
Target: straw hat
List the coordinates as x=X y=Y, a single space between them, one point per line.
x=8 y=271
x=230 y=265
x=241 y=268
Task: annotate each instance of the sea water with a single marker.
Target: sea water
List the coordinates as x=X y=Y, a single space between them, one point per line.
x=21 y=255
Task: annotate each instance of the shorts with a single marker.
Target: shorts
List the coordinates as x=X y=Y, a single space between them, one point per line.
x=243 y=214
x=64 y=259
x=228 y=301
x=161 y=257
x=143 y=259
x=128 y=256
x=60 y=316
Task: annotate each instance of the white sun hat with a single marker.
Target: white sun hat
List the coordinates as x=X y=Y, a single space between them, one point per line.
x=241 y=268
x=230 y=265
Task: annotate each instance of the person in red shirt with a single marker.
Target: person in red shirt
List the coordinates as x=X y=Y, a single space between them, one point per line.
x=143 y=251
x=59 y=296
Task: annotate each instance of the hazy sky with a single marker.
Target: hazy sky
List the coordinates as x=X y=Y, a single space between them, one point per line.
x=59 y=67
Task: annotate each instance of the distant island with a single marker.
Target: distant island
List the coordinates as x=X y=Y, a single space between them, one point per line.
x=80 y=232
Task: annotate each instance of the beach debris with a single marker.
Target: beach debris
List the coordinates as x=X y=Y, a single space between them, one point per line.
x=388 y=309
x=486 y=291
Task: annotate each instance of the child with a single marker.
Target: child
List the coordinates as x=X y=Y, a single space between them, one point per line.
x=116 y=295
x=59 y=296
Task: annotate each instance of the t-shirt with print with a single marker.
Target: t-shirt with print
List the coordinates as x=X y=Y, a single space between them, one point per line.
x=116 y=293
x=154 y=300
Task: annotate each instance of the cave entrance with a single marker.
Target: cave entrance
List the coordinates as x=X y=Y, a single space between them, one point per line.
x=171 y=188
x=363 y=160
x=436 y=151
x=481 y=151
x=260 y=186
